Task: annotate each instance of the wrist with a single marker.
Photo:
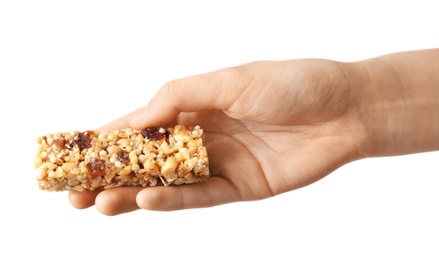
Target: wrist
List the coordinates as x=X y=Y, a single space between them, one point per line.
x=397 y=100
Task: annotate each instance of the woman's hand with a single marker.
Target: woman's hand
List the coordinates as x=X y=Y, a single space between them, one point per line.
x=270 y=127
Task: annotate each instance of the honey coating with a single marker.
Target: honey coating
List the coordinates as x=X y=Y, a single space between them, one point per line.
x=127 y=157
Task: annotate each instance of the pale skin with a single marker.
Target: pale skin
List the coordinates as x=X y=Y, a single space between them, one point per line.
x=276 y=126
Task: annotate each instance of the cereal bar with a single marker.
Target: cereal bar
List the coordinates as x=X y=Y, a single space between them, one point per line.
x=127 y=157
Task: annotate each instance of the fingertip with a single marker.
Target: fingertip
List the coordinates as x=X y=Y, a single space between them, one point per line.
x=119 y=123
x=137 y=119
x=159 y=111
x=106 y=204
x=82 y=200
x=117 y=201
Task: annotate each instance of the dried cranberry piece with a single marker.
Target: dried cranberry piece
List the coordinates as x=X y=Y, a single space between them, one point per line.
x=123 y=157
x=154 y=134
x=96 y=167
x=84 y=140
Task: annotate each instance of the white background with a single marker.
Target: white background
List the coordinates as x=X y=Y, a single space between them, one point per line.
x=68 y=65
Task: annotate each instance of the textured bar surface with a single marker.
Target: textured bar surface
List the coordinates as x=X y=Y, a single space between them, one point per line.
x=127 y=157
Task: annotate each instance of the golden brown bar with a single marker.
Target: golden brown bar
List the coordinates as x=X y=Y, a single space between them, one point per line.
x=127 y=157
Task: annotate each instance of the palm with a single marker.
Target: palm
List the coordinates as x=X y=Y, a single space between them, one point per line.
x=261 y=160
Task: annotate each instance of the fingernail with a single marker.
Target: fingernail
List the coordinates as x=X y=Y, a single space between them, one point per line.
x=139 y=116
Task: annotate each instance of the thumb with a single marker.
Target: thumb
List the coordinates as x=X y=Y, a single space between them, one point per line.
x=191 y=94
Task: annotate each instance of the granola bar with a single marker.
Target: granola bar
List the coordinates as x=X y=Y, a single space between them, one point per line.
x=127 y=157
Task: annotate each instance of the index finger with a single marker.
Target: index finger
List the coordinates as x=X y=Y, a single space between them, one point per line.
x=213 y=90
x=120 y=123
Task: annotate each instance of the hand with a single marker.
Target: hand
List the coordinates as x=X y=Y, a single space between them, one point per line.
x=275 y=126
x=270 y=127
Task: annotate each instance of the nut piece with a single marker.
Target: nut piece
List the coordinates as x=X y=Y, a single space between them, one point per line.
x=169 y=166
x=114 y=149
